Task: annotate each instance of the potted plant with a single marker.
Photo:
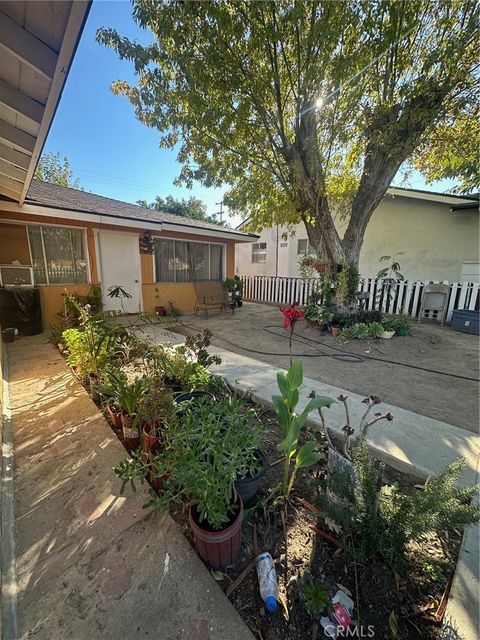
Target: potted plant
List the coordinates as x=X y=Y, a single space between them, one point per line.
x=204 y=478
x=114 y=380
x=90 y=347
x=232 y=432
x=400 y=324
x=388 y=332
x=253 y=469
x=337 y=322
x=239 y=433
x=127 y=398
x=311 y=313
x=155 y=411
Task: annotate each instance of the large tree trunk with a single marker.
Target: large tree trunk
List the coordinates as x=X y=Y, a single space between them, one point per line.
x=309 y=188
x=367 y=199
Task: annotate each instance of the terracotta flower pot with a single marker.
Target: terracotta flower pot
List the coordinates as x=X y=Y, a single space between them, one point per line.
x=115 y=417
x=148 y=438
x=335 y=331
x=157 y=481
x=160 y=311
x=218 y=549
x=131 y=433
x=320 y=267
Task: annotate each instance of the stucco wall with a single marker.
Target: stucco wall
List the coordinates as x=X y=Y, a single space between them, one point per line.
x=431 y=242
x=51 y=299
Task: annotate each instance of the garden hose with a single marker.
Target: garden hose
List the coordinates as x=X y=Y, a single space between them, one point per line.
x=343 y=356
x=269 y=329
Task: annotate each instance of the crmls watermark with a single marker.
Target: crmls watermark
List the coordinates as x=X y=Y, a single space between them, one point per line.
x=360 y=631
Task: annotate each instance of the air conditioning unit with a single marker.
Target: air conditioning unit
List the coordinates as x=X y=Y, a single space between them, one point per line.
x=14 y=275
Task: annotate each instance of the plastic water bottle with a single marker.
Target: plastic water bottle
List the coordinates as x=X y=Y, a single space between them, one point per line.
x=267 y=580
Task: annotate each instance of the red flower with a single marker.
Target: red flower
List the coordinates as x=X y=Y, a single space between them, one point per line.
x=291 y=315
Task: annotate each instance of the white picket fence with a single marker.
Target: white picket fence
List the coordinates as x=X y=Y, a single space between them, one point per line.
x=406 y=298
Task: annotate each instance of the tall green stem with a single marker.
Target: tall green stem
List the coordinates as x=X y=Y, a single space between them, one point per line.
x=285 y=474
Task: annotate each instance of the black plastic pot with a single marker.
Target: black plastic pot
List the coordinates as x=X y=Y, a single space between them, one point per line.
x=186 y=398
x=8 y=335
x=247 y=487
x=173 y=384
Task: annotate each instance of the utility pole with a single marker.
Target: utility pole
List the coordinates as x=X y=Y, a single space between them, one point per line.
x=220 y=213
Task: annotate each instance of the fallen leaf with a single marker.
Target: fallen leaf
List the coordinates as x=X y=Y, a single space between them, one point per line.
x=392 y=621
x=337 y=552
x=283 y=602
x=344 y=589
x=431 y=604
x=332 y=525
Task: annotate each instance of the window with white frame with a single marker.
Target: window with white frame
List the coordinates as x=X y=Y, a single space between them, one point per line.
x=178 y=261
x=303 y=246
x=58 y=255
x=259 y=252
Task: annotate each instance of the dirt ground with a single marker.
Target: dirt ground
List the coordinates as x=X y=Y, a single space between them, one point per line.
x=315 y=551
x=255 y=330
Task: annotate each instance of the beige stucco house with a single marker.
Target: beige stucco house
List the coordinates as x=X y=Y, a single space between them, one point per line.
x=433 y=236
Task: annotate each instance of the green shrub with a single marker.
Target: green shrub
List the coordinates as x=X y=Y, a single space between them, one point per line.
x=375 y=329
x=383 y=521
x=401 y=324
x=360 y=331
x=89 y=351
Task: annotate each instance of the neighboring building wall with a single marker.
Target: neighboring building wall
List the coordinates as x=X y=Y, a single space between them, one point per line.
x=434 y=243
x=14 y=246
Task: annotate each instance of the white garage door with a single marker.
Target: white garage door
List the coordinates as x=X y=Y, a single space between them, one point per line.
x=120 y=266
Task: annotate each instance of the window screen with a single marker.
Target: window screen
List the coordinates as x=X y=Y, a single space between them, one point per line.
x=58 y=255
x=303 y=247
x=259 y=252
x=177 y=261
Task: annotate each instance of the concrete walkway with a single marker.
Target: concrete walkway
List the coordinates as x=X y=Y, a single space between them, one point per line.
x=462 y=617
x=412 y=443
x=89 y=562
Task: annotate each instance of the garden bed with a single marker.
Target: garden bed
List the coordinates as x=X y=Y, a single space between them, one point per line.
x=384 y=599
x=412 y=596
x=198 y=453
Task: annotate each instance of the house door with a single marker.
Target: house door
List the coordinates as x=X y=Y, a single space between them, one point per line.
x=119 y=258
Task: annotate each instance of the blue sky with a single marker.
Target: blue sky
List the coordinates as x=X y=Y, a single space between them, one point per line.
x=110 y=152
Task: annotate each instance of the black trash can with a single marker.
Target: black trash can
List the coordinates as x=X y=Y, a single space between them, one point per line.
x=20 y=308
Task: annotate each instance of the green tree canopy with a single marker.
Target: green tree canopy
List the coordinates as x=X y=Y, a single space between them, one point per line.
x=52 y=169
x=452 y=151
x=306 y=109
x=188 y=207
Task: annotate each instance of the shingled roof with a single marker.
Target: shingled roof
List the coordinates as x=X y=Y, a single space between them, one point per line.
x=55 y=196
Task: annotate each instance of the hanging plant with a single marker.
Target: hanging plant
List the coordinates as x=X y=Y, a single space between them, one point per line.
x=311 y=264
